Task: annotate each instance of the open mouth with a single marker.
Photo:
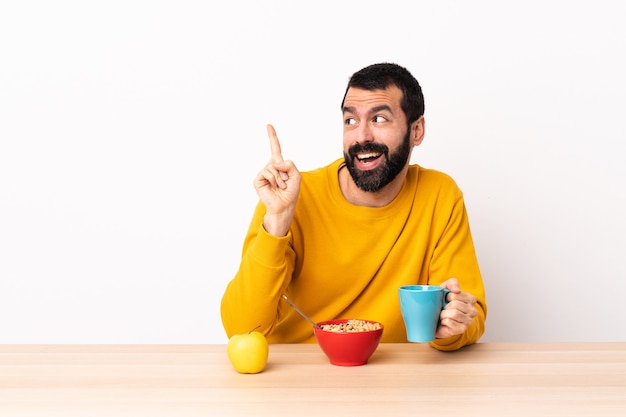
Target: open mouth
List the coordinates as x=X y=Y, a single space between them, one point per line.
x=368 y=157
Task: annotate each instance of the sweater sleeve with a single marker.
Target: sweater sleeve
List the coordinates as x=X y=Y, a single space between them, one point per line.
x=455 y=257
x=251 y=298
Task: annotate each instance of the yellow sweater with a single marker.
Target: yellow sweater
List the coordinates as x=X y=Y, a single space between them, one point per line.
x=345 y=261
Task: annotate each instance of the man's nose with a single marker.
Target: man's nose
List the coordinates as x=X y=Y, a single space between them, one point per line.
x=364 y=133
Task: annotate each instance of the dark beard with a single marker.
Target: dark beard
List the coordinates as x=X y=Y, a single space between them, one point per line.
x=375 y=179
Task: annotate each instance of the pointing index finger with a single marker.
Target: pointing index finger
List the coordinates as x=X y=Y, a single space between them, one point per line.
x=274 y=144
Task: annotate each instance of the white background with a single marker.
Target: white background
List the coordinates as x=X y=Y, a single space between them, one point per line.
x=131 y=131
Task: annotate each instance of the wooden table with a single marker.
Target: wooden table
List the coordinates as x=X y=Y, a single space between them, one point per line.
x=487 y=379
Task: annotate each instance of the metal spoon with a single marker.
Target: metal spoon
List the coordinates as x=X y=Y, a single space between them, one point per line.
x=295 y=307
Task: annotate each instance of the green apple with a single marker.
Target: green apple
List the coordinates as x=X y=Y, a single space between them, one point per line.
x=248 y=352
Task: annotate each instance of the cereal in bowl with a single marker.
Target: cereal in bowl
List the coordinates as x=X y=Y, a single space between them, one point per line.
x=351 y=326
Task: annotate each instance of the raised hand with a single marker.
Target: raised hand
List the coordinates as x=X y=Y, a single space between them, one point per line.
x=278 y=186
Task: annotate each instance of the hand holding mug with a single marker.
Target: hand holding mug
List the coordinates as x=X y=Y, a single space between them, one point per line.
x=431 y=311
x=458 y=313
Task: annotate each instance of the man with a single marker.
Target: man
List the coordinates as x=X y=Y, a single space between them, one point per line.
x=341 y=239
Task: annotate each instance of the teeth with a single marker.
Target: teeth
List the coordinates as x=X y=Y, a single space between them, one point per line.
x=369 y=155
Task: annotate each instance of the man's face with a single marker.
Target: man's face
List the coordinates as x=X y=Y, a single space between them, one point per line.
x=376 y=138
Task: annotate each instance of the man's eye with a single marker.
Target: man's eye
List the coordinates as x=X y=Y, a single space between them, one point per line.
x=350 y=121
x=379 y=119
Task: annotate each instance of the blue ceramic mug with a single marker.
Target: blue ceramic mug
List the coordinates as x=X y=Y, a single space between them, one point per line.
x=421 y=306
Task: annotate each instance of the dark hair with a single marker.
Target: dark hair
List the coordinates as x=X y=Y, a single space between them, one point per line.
x=380 y=76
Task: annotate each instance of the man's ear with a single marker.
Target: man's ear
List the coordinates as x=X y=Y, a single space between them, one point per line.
x=418 y=129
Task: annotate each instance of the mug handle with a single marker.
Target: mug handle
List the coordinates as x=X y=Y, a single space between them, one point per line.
x=444 y=301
